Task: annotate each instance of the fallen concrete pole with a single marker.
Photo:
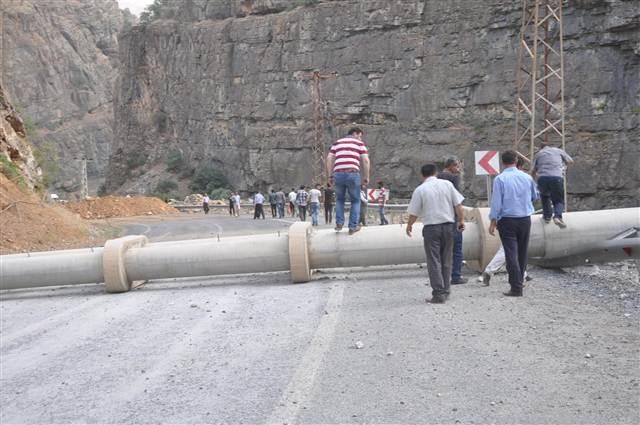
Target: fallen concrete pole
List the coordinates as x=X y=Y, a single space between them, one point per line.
x=610 y=234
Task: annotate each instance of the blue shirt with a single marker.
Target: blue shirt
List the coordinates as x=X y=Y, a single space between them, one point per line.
x=513 y=194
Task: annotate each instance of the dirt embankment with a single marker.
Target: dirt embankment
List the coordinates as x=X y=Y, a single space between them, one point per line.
x=27 y=224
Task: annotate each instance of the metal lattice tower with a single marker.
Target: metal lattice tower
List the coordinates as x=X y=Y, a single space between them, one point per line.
x=540 y=79
x=318 y=150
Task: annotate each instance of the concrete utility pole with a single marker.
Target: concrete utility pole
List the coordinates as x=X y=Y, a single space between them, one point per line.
x=84 y=191
x=540 y=78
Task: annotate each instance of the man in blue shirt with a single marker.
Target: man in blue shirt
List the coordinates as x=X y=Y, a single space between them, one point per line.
x=511 y=207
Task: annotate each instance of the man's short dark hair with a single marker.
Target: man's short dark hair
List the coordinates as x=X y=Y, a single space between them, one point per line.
x=355 y=130
x=429 y=170
x=509 y=157
x=450 y=161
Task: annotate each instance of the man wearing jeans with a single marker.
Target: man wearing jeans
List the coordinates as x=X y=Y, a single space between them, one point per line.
x=343 y=165
x=514 y=192
x=440 y=205
x=452 y=171
x=314 y=202
x=548 y=165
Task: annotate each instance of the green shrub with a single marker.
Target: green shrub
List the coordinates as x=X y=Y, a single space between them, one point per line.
x=166 y=189
x=136 y=159
x=208 y=179
x=219 y=193
x=175 y=161
x=46 y=156
x=12 y=172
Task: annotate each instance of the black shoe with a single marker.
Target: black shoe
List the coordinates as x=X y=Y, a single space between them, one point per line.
x=338 y=227
x=528 y=278
x=513 y=293
x=437 y=299
x=354 y=230
x=459 y=281
x=486 y=279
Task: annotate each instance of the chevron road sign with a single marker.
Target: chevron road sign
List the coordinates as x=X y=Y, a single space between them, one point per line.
x=487 y=163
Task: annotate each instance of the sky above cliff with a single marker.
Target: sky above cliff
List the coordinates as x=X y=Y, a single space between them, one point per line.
x=134 y=6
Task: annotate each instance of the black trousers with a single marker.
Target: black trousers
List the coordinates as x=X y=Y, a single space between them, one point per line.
x=274 y=210
x=514 y=234
x=258 y=212
x=328 y=213
x=438 y=246
x=302 y=209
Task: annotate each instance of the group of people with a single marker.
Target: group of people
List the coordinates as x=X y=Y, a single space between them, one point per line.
x=439 y=203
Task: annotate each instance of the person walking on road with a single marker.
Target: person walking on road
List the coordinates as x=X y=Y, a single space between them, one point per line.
x=343 y=165
x=205 y=204
x=382 y=200
x=314 y=203
x=301 y=200
x=364 y=203
x=281 y=198
x=548 y=166
x=329 y=198
x=273 y=203
x=232 y=201
x=292 y=202
x=236 y=204
x=439 y=205
x=452 y=172
x=258 y=206
x=514 y=192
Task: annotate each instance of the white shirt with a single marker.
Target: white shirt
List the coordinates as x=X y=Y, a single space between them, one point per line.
x=258 y=199
x=292 y=196
x=205 y=200
x=314 y=196
x=236 y=199
x=434 y=201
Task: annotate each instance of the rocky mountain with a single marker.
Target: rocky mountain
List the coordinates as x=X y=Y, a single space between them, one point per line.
x=229 y=84
x=59 y=61
x=14 y=147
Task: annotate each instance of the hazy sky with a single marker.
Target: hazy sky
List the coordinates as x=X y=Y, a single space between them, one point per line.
x=135 y=6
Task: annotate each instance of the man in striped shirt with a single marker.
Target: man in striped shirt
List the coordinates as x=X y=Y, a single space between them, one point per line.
x=343 y=165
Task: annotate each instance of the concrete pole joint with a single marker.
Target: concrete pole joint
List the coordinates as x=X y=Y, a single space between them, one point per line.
x=299 y=262
x=113 y=262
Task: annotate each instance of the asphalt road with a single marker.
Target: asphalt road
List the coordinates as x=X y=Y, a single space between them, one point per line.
x=351 y=346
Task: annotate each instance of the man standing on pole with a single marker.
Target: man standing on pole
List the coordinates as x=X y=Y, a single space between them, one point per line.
x=549 y=165
x=514 y=192
x=439 y=205
x=343 y=165
x=451 y=172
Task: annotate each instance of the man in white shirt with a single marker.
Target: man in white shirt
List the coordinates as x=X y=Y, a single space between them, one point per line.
x=205 y=203
x=439 y=205
x=292 y=202
x=314 y=203
x=236 y=204
x=258 y=202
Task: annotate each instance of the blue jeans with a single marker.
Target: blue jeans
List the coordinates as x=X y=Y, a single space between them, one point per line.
x=383 y=219
x=315 y=213
x=552 y=195
x=347 y=183
x=280 y=207
x=456 y=265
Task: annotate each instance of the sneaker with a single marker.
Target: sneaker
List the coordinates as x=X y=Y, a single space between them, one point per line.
x=528 y=278
x=354 y=230
x=486 y=279
x=338 y=227
x=558 y=222
x=459 y=281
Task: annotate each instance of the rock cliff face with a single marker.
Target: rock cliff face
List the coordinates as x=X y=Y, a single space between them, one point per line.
x=59 y=62
x=228 y=83
x=14 y=145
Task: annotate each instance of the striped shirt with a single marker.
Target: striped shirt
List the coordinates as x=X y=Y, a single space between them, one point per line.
x=347 y=152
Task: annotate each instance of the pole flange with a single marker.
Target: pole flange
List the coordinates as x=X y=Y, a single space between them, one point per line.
x=299 y=263
x=115 y=272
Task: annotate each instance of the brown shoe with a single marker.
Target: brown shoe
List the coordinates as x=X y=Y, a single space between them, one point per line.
x=354 y=230
x=338 y=227
x=558 y=222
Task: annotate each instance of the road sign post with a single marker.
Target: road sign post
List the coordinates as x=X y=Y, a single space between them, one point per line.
x=487 y=164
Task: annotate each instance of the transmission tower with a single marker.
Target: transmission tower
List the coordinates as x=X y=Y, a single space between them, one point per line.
x=540 y=77
x=318 y=150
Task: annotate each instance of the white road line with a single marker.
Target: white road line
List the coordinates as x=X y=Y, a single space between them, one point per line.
x=301 y=384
